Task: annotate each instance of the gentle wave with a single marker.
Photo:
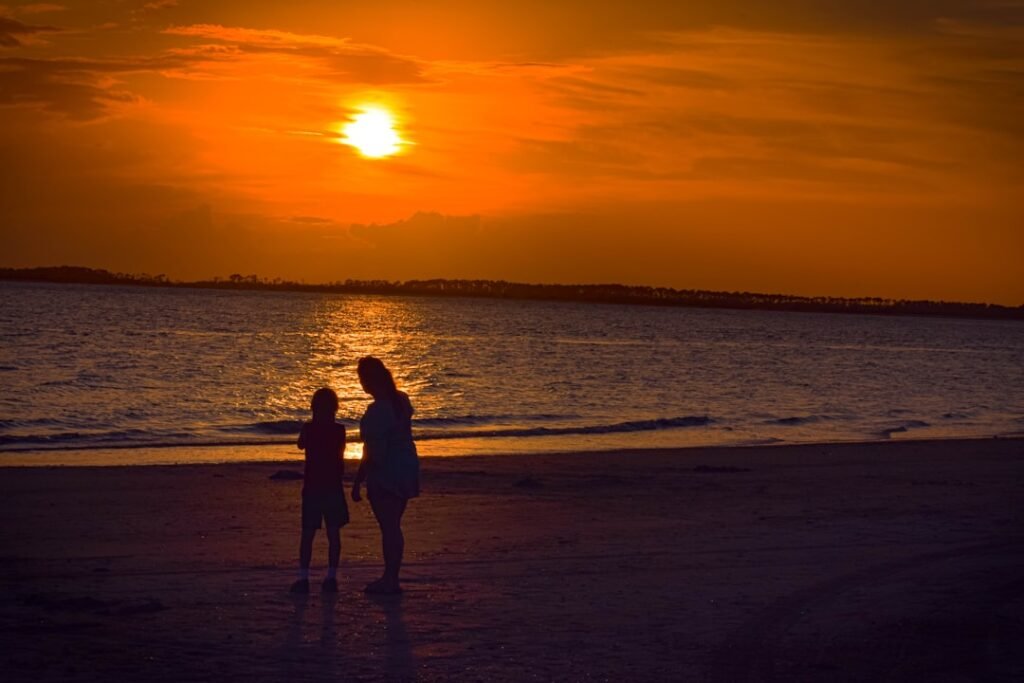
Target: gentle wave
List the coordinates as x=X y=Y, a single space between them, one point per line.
x=16 y=424
x=901 y=428
x=268 y=427
x=113 y=446
x=797 y=420
x=289 y=427
x=140 y=438
x=95 y=439
x=469 y=420
x=617 y=428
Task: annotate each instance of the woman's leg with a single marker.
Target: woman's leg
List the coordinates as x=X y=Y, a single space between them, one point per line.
x=388 y=509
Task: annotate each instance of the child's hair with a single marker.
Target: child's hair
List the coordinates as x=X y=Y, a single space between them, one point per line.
x=324 y=404
x=379 y=380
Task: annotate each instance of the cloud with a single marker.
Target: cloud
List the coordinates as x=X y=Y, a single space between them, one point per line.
x=736 y=111
x=254 y=36
x=140 y=13
x=159 y=5
x=680 y=77
x=14 y=32
x=311 y=220
x=33 y=83
x=41 y=8
x=77 y=88
x=337 y=56
x=573 y=29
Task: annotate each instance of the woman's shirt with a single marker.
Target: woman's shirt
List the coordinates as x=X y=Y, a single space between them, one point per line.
x=393 y=464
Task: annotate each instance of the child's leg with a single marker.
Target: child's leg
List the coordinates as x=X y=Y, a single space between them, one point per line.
x=306 y=552
x=333 y=550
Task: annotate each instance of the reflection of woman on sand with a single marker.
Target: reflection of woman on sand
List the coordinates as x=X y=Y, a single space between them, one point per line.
x=389 y=466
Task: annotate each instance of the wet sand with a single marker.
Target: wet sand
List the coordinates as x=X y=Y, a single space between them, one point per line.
x=899 y=561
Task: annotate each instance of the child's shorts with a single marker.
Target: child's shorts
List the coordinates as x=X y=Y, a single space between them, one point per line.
x=318 y=508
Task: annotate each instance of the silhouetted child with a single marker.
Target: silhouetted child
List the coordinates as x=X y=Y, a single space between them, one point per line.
x=323 y=493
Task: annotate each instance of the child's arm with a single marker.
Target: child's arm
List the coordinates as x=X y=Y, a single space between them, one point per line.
x=302 y=437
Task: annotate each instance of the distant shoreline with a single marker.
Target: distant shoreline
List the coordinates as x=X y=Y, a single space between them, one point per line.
x=499 y=289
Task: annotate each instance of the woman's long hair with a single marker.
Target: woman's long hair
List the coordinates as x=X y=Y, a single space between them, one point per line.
x=381 y=384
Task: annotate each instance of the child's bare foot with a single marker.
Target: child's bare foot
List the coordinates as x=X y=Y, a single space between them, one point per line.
x=330 y=585
x=300 y=587
x=383 y=587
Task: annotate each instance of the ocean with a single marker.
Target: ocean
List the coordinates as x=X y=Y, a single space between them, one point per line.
x=138 y=375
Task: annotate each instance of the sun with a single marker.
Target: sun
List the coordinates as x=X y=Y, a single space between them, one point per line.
x=372 y=133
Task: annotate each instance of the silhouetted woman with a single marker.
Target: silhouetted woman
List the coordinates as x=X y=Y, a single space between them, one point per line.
x=390 y=465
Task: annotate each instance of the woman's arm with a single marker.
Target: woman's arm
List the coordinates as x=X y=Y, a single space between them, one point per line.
x=361 y=473
x=374 y=429
x=366 y=433
x=361 y=470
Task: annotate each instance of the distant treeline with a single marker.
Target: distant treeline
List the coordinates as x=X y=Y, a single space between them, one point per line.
x=498 y=289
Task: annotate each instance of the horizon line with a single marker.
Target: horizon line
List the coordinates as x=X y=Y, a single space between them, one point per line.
x=626 y=293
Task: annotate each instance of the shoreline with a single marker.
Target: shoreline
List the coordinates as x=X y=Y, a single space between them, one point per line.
x=21 y=458
x=809 y=562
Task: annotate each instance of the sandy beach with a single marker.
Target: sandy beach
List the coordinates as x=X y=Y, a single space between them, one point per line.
x=897 y=561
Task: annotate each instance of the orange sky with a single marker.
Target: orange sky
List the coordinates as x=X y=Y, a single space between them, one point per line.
x=809 y=147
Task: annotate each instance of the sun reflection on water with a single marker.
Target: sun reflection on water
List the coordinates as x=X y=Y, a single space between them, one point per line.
x=340 y=331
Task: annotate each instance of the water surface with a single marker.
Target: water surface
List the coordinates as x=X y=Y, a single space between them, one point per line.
x=97 y=366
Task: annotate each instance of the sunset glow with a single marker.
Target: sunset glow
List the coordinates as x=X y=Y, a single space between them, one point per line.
x=843 y=149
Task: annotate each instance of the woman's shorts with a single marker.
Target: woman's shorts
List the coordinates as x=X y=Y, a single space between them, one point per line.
x=329 y=508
